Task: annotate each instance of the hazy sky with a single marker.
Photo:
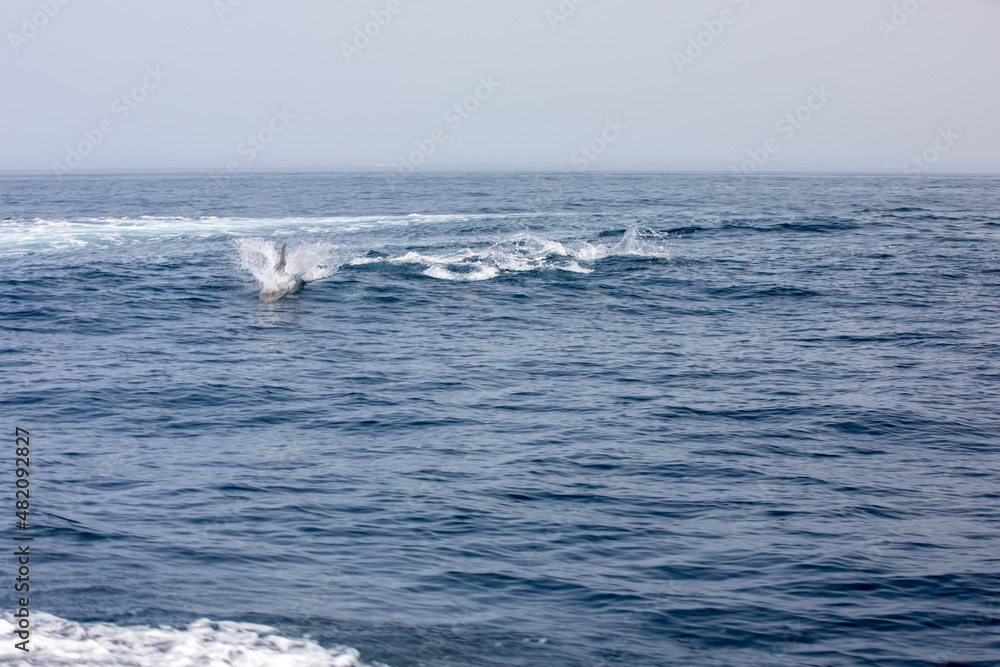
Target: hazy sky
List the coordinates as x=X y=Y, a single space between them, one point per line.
x=188 y=83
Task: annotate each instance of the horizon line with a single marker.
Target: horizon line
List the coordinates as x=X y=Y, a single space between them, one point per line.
x=814 y=170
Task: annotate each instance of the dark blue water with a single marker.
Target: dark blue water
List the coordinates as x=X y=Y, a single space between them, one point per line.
x=535 y=419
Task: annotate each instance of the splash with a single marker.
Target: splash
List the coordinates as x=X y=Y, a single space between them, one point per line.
x=303 y=263
x=642 y=243
x=527 y=252
x=56 y=642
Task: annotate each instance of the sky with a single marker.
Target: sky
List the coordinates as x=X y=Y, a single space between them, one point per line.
x=906 y=86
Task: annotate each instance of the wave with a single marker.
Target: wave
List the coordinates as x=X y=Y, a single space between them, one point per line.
x=56 y=642
x=526 y=252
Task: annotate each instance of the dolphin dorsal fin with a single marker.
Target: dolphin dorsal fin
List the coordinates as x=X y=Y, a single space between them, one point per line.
x=280 y=266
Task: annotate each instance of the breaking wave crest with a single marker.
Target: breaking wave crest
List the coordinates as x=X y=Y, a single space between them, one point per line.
x=526 y=252
x=56 y=642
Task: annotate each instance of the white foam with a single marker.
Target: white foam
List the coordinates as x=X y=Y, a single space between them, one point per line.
x=56 y=642
x=526 y=252
x=481 y=272
x=56 y=234
x=641 y=244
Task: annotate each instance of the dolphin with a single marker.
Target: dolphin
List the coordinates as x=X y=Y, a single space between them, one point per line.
x=280 y=266
x=288 y=286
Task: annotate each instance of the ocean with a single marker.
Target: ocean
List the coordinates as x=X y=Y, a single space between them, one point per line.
x=570 y=420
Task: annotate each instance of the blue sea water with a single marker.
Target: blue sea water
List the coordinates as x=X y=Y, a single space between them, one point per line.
x=509 y=419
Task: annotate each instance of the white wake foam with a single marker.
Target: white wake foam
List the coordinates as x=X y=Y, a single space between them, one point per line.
x=527 y=252
x=57 y=234
x=305 y=262
x=56 y=642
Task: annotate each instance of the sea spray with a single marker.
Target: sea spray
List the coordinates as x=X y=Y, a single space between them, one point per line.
x=527 y=252
x=307 y=262
x=641 y=243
